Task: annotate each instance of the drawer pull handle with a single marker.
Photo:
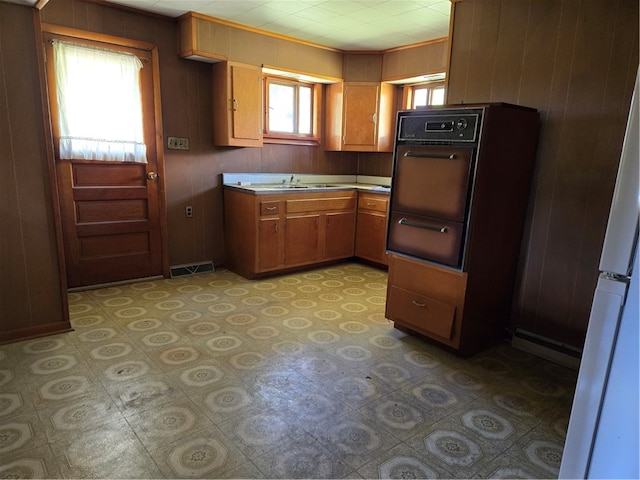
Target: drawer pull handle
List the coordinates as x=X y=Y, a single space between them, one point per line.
x=430 y=155
x=417 y=304
x=371 y=204
x=433 y=228
x=269 y=208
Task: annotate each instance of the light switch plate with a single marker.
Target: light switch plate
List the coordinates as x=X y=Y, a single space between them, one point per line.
x=177 y=143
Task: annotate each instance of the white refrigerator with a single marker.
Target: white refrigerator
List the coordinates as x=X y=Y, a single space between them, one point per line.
x=602 y=436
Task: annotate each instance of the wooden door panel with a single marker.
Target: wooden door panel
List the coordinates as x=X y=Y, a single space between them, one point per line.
x=370 y=236
x=94 y=246
x=339 y=235
x=109 y=174
x=247 y=102
x=111 y=211
x=360 y=114
x=269 y=244
x=301 y=239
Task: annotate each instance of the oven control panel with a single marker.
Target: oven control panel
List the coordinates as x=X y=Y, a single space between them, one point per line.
x=439 y=126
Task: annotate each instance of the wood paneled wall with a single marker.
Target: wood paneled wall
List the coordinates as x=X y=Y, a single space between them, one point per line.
x=32 y=300
x=576 y=62
x=423 y=59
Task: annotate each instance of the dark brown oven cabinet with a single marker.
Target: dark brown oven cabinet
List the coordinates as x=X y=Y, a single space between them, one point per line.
x=237 y=105
x=453 y=259
x=360 y=116
x=371 y=227
x=268 y=233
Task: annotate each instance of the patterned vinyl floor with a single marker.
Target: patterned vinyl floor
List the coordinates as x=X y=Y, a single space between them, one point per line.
x=295 y=376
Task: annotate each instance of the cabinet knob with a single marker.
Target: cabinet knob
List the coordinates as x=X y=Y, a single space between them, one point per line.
x=152 y=176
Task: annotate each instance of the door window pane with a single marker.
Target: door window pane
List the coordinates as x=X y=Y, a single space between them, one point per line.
x=99 y=104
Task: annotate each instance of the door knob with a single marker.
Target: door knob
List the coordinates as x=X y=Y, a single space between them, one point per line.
x=152 y=176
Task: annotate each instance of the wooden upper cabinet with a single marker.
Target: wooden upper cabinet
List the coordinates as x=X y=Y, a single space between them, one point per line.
x=237 y=105
x=360 y=116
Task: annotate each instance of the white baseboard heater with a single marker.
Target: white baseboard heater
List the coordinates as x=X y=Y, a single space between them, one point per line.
x=546 y=348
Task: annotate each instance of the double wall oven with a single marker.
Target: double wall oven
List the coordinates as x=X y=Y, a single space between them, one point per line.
x=460 y=188
x=433 y=176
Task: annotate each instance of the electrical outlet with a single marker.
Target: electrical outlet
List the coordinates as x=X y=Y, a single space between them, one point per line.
x=188 y=211
x=177 y=143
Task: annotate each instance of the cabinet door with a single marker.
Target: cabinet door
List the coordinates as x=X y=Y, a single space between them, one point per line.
x=361 y=114
x=339 y=235
x=269 y=244
x=370 y=236
x=246 y=92
x=301 y=244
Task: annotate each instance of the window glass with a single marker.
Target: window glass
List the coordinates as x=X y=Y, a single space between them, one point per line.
x=290 y=110
x=304 y=109
x=427 y=94
x=437 y=96
x=420 y=97
x=281 y=107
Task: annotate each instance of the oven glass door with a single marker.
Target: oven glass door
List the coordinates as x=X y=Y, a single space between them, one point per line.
x=432 y=181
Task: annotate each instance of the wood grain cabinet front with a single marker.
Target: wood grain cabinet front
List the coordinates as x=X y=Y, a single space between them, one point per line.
x=427 y=299
x=273 y=232
x=371 y=227
x=359 y=116
x=237 y=105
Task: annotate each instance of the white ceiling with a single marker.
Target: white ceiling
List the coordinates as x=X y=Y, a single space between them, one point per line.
x=343 y=24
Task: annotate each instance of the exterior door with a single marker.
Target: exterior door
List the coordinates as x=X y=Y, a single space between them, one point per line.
x=111 y=211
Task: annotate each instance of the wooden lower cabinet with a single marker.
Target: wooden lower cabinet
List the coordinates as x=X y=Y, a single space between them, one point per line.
x=301 y=239
x=439 y=303
x=272 y=232
x=269 y=243
x=339 y=234
x=371 y=230
x=463 y=311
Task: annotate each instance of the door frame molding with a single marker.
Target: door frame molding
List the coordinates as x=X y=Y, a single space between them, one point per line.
x=43 y=28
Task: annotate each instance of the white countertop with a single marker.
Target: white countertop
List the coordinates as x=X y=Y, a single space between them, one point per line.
x=293 y=182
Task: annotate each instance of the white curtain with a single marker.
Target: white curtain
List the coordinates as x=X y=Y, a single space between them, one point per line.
x=99 y=105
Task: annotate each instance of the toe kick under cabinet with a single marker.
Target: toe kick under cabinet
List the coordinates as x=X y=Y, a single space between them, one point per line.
x=271 y=232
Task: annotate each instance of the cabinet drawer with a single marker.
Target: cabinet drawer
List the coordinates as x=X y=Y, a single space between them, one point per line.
x=440 y=283
x=320 y=204
x=270 y=207
x=377 y=203
x=425 y=314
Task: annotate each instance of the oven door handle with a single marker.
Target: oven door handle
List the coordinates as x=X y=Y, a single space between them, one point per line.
x=430 y=155
x=433 y=228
